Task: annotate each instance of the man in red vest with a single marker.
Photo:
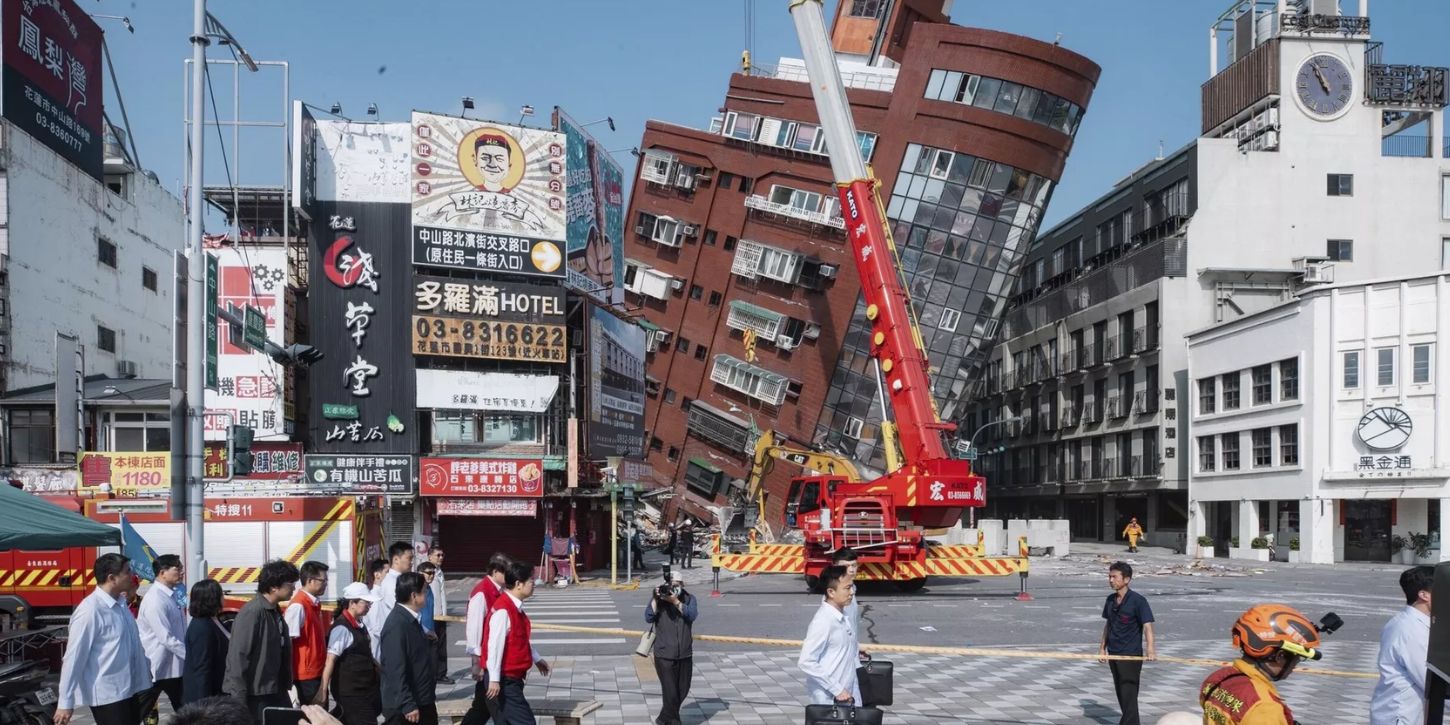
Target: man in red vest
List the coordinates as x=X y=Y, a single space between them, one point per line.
x=480 y=603
x=308 y=628
x=509 y=651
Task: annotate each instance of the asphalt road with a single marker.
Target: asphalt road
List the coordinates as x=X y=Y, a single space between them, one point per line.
x=1189 y=603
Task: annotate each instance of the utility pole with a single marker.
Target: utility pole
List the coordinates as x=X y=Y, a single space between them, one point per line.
x=195 y=305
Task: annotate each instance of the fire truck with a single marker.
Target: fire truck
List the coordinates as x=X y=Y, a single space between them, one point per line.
x=344 y=532
x=926 y=487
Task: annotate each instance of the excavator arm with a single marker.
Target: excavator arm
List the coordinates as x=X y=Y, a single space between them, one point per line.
x=768 y=449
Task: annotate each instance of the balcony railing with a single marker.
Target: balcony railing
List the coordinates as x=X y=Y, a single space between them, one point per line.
x=1067 y=363
x=1087 y=357
x=1093 y=412
x=760 y=203
x=1069 y=418
x=1145 y=339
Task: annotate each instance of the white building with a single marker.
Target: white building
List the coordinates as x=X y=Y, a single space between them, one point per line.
x=1318 y=163
x=1340 y=436
x=86 y=258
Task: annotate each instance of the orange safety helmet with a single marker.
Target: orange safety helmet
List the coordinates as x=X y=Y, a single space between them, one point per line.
x=1267 y=628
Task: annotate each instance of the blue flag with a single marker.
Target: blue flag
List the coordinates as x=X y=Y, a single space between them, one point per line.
x=138 y=551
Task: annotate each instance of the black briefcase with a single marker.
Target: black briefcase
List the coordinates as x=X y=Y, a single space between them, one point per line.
x=842 y=714
x=875 y=678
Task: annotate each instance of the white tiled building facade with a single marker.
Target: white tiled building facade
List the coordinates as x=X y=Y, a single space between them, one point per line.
x=1293 y=184
x=1325 y=419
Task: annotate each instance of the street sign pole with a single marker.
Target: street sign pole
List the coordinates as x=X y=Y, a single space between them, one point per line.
x=613 y=536
x=211 y=322
x=196 y=305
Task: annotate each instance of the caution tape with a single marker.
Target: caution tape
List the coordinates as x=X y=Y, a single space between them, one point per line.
x=936 y=650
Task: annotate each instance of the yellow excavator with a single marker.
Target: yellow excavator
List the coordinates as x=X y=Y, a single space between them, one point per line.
x=770 y=448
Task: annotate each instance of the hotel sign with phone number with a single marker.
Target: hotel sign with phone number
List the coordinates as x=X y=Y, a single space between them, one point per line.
x=455 y=337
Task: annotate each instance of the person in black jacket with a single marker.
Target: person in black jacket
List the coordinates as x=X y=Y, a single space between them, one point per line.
x=407 y=656
x=351 y=672
x=672 y=611
x=206 y=644
x=259 y=657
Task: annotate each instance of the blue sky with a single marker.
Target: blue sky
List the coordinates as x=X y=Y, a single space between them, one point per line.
x=642 y=59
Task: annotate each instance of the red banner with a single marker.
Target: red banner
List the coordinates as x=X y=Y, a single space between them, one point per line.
x=482 y=477
x=52 y=77
x=487 y=507
x=270 y=461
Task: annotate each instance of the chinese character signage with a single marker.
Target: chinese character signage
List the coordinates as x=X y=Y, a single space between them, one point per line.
x=481 y=477
x=488 y=507
x=595 y=214
x=487 y=197
x=465 y=390
x=359 y=474
x=498 y=320
x=616 y=386
x=125 y=473
x=52 y=78
x=250 y=385
x=1385 y=466
x=270 y=461
x=358 y=316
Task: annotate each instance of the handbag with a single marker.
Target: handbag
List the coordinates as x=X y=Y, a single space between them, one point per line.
x=842 y=714
x=875 y=677
x=646 y=643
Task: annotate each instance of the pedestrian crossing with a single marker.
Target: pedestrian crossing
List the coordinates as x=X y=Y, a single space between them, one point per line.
x=575 y=606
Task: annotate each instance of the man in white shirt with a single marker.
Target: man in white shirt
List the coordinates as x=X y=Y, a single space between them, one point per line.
x=400 y=556
x=829 y=654
x=1399 y=696
x=510 y=651
x=440 y=607
x=104 y=666
x=162 y=625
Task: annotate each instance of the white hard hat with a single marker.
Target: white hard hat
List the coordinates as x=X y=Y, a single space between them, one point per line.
x=359 y=590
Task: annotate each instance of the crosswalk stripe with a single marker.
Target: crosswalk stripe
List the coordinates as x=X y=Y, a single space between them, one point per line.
x=578 y=619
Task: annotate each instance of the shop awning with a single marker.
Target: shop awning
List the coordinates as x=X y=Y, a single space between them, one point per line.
x=702 y=463
x=28 y=522
x=647 y=325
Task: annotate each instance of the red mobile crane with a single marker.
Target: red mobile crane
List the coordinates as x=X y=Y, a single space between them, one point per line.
x=925 y=487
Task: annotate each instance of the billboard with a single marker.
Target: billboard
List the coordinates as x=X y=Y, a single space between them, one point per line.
x=362 y=389
x=52 y=78
x=277 y=461
x=595 y=214
x=487 y=197
x=359 y=474
x=616 y=386
x=481 y=477
x=250 y=385
x=465 y=390
x=125 y=473
x=495 y=320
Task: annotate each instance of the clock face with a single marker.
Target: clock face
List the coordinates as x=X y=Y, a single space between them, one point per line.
x=1324 y=86
x=1385 y=429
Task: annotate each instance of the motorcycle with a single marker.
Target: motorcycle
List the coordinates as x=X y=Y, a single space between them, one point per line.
x=27 y=693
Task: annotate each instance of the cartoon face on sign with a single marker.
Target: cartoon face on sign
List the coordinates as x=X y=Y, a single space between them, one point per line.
x=491 y=160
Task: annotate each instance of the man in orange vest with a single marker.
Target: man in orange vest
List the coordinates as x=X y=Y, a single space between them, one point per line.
x=1274 y=638
x=308 y=628
x=509 y=651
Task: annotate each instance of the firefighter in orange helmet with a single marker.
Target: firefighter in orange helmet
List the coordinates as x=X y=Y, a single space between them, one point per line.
x=1274 y=638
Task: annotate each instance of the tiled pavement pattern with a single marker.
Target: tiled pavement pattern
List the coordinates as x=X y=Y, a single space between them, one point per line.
x=765 y=688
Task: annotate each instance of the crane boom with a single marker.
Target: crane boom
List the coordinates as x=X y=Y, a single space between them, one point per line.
x=896 y=343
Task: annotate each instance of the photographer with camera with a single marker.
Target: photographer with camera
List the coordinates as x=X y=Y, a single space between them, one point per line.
x=672 y=612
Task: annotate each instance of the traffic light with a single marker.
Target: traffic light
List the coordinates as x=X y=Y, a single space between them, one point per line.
x=626 y=493
x=241 y=458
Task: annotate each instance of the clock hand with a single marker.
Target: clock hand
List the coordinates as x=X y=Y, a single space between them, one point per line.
x=1320 y=75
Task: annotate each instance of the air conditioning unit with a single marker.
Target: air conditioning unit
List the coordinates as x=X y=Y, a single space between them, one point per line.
x=689 y=230
x=812 y=332
x=785 y=342
x=828 y=271
x=126 y=368
x=1318 y=274
x=639 y=230
x=677 y=284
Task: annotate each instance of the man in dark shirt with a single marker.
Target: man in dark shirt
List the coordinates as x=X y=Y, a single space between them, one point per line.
x=1129 y=618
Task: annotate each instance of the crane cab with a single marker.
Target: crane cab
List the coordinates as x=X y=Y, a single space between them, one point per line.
x=807 y=495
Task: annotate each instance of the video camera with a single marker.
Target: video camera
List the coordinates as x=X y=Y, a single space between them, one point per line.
x=668 y=590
